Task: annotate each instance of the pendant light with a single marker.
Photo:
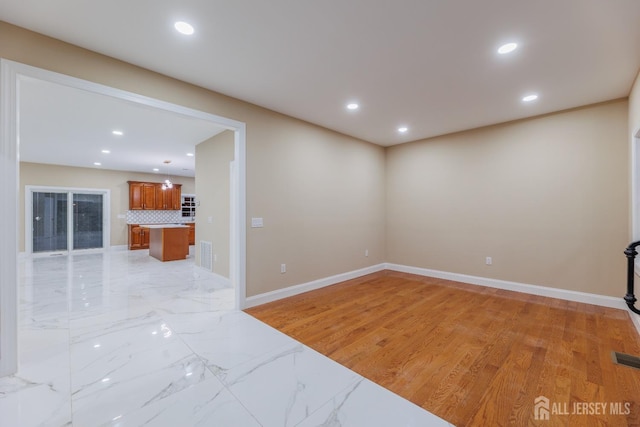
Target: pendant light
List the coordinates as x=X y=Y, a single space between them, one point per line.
x=167 y=182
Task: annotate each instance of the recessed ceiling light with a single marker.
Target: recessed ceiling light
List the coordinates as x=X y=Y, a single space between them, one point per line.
x=97 y=163
x=506 y=48
x=530 y=98
x=352 y=106
x=403 y=129
x=156 y=170
x=106 y=151
x=190 y=154
x=184 y=28
x=118 y=132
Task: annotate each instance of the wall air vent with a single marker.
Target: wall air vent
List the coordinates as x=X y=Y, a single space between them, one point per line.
x=206 y=255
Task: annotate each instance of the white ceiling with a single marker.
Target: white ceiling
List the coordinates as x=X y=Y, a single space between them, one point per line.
x=67 y=126
x=428 y=64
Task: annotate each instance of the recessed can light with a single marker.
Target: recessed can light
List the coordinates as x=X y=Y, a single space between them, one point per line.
x=97 y=163
x=156 y=170
x=106 y=151
x=352 y=106
x=506 y=48
x=403 y=129
x=118 y=132
x=530 y=98
x=184 y=28
x=190 y=154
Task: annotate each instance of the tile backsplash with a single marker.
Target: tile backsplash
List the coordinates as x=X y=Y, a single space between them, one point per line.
x=155 y=217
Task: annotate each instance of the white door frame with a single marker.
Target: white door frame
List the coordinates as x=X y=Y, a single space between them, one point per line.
x=635 y=186
x=11 y=74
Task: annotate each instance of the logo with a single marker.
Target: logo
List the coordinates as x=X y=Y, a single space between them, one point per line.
x=541 y=408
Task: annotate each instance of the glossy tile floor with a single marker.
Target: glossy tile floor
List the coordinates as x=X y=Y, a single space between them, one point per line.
x=121 y=339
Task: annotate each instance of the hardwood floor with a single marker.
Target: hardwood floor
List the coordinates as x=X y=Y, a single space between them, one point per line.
x=472 y=355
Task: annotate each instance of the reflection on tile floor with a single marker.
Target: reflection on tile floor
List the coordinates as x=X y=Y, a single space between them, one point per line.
x=121 y=339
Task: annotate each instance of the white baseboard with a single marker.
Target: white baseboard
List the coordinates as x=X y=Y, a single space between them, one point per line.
x=310 y=286
x=635 y=319
x=565 y=294
x=118 y=248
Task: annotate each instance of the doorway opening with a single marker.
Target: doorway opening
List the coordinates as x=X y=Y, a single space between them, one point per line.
x=11 y=75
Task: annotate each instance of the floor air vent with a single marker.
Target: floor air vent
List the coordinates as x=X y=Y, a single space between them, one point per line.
x=206 y=255
x=626 y=359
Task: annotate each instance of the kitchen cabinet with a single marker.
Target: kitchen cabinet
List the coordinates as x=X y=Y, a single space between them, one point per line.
x=142 y=195
x=138 y=237
x=151 y=196
x=169 y=198
x=192 y=233
x=169 y=242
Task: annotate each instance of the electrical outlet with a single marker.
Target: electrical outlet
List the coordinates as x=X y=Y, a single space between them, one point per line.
x=366 y=252
x=488 y=260
x=283 y=268
x=215 y=257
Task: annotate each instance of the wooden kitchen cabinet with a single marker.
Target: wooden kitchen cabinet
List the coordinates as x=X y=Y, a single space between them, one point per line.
x=192 y=233
x=142 y=195
x=138 y=237
x=151 y=196
x=168 y=243
x=170 y=198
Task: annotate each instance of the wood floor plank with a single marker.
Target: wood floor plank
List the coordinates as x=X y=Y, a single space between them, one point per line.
x=472 y=355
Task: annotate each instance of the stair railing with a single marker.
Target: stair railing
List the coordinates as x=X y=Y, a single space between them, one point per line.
x=631 y=253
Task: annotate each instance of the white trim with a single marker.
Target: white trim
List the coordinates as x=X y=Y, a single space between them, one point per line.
x=11 y=74
x=635 y=185
x=9 y=214
x=310 y=286
x=118 y=248
x=584 y=297
x=28 y=211
x=635 y=319
x=239 y=276
x=565 y=294
x=602 y=300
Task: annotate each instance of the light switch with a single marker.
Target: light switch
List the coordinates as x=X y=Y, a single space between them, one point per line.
x=257 y=223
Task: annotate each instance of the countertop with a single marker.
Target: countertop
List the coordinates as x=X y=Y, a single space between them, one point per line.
x=164 y=226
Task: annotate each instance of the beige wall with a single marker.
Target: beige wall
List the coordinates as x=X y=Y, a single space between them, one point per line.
x=115 y=181
x=546 y=198
x=321 y=196
x=213 y=181
x=321 y=193
x=634 y=106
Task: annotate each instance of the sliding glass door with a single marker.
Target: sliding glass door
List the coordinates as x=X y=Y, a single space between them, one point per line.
x=67 y=220
x=87 y=221
x=49 y=221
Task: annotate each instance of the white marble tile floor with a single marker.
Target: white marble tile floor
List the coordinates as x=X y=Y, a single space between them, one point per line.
x=122 y=339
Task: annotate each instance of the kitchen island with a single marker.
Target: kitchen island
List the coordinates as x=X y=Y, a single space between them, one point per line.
x=168 y=242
